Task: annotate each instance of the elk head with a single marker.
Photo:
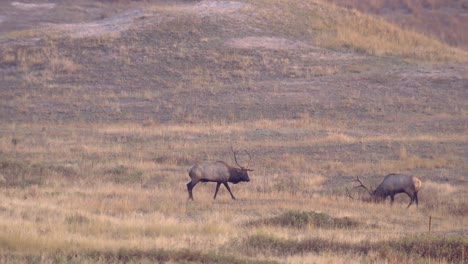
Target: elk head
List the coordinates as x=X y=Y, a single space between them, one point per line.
x=242 y=172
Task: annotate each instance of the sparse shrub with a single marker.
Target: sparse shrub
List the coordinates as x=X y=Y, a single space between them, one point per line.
x=291 y=185
x=121 y=174
x=118 y=170
x=180 y=160
x=264 y=243
x=66 y=170
x=268 y=244
x=77 y=222
x=7 y=57
x=19 y=173
x=296 y=219
x=77 y=219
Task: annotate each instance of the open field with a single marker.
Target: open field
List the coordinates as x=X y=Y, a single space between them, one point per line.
x=105 y=106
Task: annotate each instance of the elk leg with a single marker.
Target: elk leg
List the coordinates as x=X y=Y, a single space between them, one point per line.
x=190 y=186
x=229 y=189
x=411 y=201
x=416 y=198
x=392 y=199
x=217 y=189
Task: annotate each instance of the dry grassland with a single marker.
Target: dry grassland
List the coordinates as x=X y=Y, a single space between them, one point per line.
x=99 y=129
x=89 y=191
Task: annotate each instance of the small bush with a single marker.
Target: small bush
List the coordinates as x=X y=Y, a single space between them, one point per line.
x=19 y=174
x=118 y=170
x=296 y=219
x=77 y=219
x=121 y=174
x=268 y=244
x=180 y=160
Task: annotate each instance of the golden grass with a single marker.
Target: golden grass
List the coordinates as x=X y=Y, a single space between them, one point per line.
x=39 y=63
x=430 y=17
x=158 y=157
x=182 y=144
x=377 y=37
x=110 y=217
x=334 y=27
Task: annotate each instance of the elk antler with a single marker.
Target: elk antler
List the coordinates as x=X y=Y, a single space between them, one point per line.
x=235 y=158
x=361 y=185
x=250 y=158
x=349 y=194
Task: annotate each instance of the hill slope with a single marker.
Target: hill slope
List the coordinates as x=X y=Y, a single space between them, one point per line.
x=160 y=62
x=443 y=19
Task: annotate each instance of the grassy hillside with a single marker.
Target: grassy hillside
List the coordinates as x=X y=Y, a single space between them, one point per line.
x=105 y=105
x=442 y=19
x=334 y=27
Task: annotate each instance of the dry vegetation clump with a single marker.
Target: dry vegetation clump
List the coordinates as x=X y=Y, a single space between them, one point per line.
x=18 y=173
x=302 y=220
x=37 y=64
x=44 y=58
x=440 y=195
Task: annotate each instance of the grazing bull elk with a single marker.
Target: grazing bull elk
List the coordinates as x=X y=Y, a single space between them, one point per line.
x=393 y=184
x=219 y=172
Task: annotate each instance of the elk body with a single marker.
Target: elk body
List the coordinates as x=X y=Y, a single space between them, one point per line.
x=394 y=184
x=219 y=172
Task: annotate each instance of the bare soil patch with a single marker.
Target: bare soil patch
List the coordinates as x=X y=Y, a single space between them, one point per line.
x=112 y=25
x=267 y=43
x=28 y=6
x=218 y=7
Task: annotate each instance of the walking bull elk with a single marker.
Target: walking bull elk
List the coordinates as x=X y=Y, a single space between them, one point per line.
x=219 y=172
x=391 y=185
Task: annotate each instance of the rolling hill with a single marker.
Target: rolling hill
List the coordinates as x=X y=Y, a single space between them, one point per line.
x=105 y=105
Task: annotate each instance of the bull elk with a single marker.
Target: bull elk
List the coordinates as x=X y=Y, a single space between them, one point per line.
x=219 y=172
x=391 y=185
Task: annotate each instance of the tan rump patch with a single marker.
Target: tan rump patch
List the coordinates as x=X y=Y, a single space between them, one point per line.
x=417 y=183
